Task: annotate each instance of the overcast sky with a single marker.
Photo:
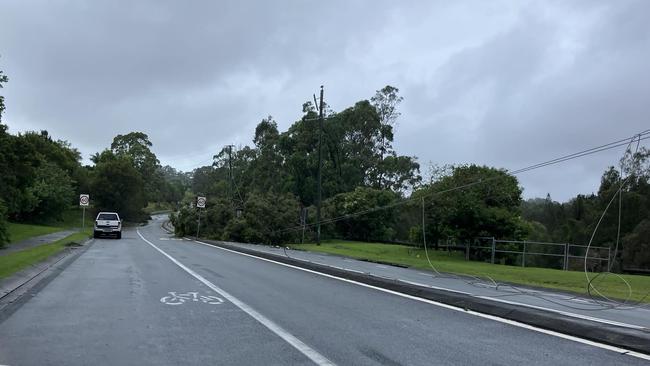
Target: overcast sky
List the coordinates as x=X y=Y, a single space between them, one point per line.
x=503 y=83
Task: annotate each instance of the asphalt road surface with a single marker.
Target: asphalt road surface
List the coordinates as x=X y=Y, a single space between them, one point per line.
x=565 y=303
x=149 y=299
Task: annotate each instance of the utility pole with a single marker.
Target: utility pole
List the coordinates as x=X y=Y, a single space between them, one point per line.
x=320 y=165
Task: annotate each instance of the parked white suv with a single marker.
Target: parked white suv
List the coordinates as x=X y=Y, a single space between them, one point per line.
x=108 y=223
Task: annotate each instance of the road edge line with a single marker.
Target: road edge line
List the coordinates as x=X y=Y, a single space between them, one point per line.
x=609 y=347
x=296 y=343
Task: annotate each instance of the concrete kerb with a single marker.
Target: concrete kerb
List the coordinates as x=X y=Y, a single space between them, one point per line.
x=633 y=339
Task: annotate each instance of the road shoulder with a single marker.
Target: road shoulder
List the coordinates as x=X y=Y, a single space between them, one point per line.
x=19 y=287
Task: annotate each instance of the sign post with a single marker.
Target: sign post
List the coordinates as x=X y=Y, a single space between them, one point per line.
x=84 y=201
x=200 y=203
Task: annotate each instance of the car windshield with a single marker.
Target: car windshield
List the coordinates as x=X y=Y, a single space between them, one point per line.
x=107 y=216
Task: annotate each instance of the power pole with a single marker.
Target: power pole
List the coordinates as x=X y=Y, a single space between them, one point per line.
x=320 y=165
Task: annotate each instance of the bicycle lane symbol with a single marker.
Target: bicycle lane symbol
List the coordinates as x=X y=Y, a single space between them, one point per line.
x=178 y=299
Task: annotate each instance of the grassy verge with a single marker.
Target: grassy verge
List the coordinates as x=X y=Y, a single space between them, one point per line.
x=14 y=262
x=71 y=219
x=455 y=263
x=154 y=208
x=18 y=232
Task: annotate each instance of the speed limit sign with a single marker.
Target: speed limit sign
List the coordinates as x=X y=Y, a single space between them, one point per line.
x=84 y=200
x=200 y=202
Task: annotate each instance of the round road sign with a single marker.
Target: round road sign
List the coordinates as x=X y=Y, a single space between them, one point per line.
x=84 y=199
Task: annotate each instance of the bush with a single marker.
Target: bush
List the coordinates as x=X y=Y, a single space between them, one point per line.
x=636 y=247
x=4 y=233
x=371 y=226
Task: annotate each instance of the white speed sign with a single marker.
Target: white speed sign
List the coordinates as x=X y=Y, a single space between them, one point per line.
x=200 y=202
x=84 y=199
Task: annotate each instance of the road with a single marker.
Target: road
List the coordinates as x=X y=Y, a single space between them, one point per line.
x=564 y=303
x=112 y=306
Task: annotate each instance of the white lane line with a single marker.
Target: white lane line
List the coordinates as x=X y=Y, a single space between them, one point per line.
x=619 y=350
x=573 y=315
x=288 y=337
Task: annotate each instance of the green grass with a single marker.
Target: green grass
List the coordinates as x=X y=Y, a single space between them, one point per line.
x=69 y=220
x=443 y=261
x=19 y=232
x=158 y=207
x=14 y=262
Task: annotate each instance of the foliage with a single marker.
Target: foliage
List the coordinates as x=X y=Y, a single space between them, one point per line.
x=4 y=231
x=36 y=172
x=636 y=247
x=374 y=225
x=3 y=79
x=117 y=186
x=136 y=147
x=574 y=221
x=360 y=170
x=261 y=220
x=473 y=201
x=52 y=189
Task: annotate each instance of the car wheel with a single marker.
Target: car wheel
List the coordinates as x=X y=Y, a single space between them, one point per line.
x=119 y=236
x=95 y=235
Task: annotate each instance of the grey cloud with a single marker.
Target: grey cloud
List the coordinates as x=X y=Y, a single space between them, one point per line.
x=500 y=83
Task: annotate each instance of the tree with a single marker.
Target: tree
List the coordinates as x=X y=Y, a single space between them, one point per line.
x=3 y=79
x=400 y=173
x=4 y=233
x=265 y=216
x=371 y=226
x=385 y=102
x=117 y=186
x=24 y=159
x=136 y=147
x=53 y=191
x=474 y=201
x=636 y=247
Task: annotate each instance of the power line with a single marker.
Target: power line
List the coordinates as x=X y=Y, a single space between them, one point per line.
x=644 y=135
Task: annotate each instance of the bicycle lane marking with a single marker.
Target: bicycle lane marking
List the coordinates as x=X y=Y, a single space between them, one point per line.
x=296 y=343
x=174 y=298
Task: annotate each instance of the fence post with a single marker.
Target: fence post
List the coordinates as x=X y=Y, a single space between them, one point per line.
x=609 y=258
x=493 y=248
x=523 y=256
x=566 y=257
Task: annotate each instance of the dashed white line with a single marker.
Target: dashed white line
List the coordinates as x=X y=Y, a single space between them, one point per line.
x=619 y=350
x=279 y=331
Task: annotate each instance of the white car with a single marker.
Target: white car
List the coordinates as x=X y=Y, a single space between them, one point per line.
x=108 y=223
